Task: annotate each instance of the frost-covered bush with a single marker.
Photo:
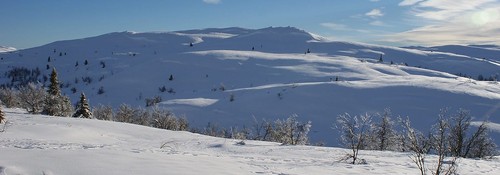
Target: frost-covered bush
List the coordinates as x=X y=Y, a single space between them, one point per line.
x=354 y=133
x=10 y=98
x=125 y=114
x=289 y=131
x=165 y=119
x=102 y=112
x=383 y=135
x=32 y=98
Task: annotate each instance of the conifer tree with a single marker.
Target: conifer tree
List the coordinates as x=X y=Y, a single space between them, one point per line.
x=54 y=84
x=83 y=109
x=55 y=103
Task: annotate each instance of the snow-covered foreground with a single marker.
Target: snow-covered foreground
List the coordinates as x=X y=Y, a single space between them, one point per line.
x=35 y=144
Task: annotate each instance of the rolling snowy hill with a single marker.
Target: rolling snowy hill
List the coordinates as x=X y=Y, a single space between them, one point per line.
x=35 y=144
x=269 y=74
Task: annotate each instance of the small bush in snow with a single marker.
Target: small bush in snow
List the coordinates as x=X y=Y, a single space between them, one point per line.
x=125 y=114
x=10 y=98
x=153 y=101
x=354 y=133
x=102 y=112
x=290 y=131
x=165 y=119
x=382 y=135
x=32 y=98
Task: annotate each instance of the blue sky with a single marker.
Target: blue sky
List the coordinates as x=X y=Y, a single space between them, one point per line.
x=29 y=23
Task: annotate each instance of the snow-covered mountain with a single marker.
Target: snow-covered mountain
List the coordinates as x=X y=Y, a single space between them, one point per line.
x=34 y=144
x=6 y=49
x=231 y=75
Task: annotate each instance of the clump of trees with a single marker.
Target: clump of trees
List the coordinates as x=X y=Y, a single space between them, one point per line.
x=289 y=131
x=154 y=117
x=450 y=138
x=36 y=100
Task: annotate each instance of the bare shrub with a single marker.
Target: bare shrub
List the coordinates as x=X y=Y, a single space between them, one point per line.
x=9 y=98
x=354 y=133
x=32 y=98
x=125 y=114
x=102 y=112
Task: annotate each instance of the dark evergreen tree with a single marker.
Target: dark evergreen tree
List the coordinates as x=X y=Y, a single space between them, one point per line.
x=103 y=65
x=380 y=59
x=86 y=62
x=76 y=64
x=60 y=53
x=190 y=44
x=83 y=109
x=55 y=103
x=171 y=77
x=54 y=84
x=480 y=77
x=48 y=60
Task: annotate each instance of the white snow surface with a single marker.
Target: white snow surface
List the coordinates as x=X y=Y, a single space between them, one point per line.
x=268 y=74
x=199 y=102
x=36 y=144
x=7 y=49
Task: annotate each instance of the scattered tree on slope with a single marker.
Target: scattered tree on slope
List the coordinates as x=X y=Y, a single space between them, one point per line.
x=55 y=103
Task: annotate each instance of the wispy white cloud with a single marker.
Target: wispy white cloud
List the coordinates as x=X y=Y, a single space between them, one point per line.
x=374 y=13
x=374 y=0
x=334 y=26
x=409 y=2
x=452 y=22
x=341 y=27
x=447 y=9
x=377 y=23
x=212 y=1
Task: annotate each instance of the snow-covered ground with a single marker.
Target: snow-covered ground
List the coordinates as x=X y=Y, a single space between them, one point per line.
x=267 y=73
x=36 y=144
x=6 y=49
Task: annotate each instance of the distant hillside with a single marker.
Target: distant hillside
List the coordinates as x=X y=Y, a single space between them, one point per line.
x=229 y=76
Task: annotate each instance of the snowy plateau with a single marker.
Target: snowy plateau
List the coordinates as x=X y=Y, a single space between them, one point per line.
x=231 y=76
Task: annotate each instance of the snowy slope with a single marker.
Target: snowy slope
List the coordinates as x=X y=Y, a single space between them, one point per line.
x=34 y=144
x=273 y=80
x=6 y=49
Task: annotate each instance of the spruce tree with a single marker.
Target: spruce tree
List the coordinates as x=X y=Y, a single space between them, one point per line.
x=83 y=109
x=54 y=84
x=55 y=103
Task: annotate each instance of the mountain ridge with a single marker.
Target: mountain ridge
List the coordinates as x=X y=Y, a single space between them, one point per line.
x=268 y=73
